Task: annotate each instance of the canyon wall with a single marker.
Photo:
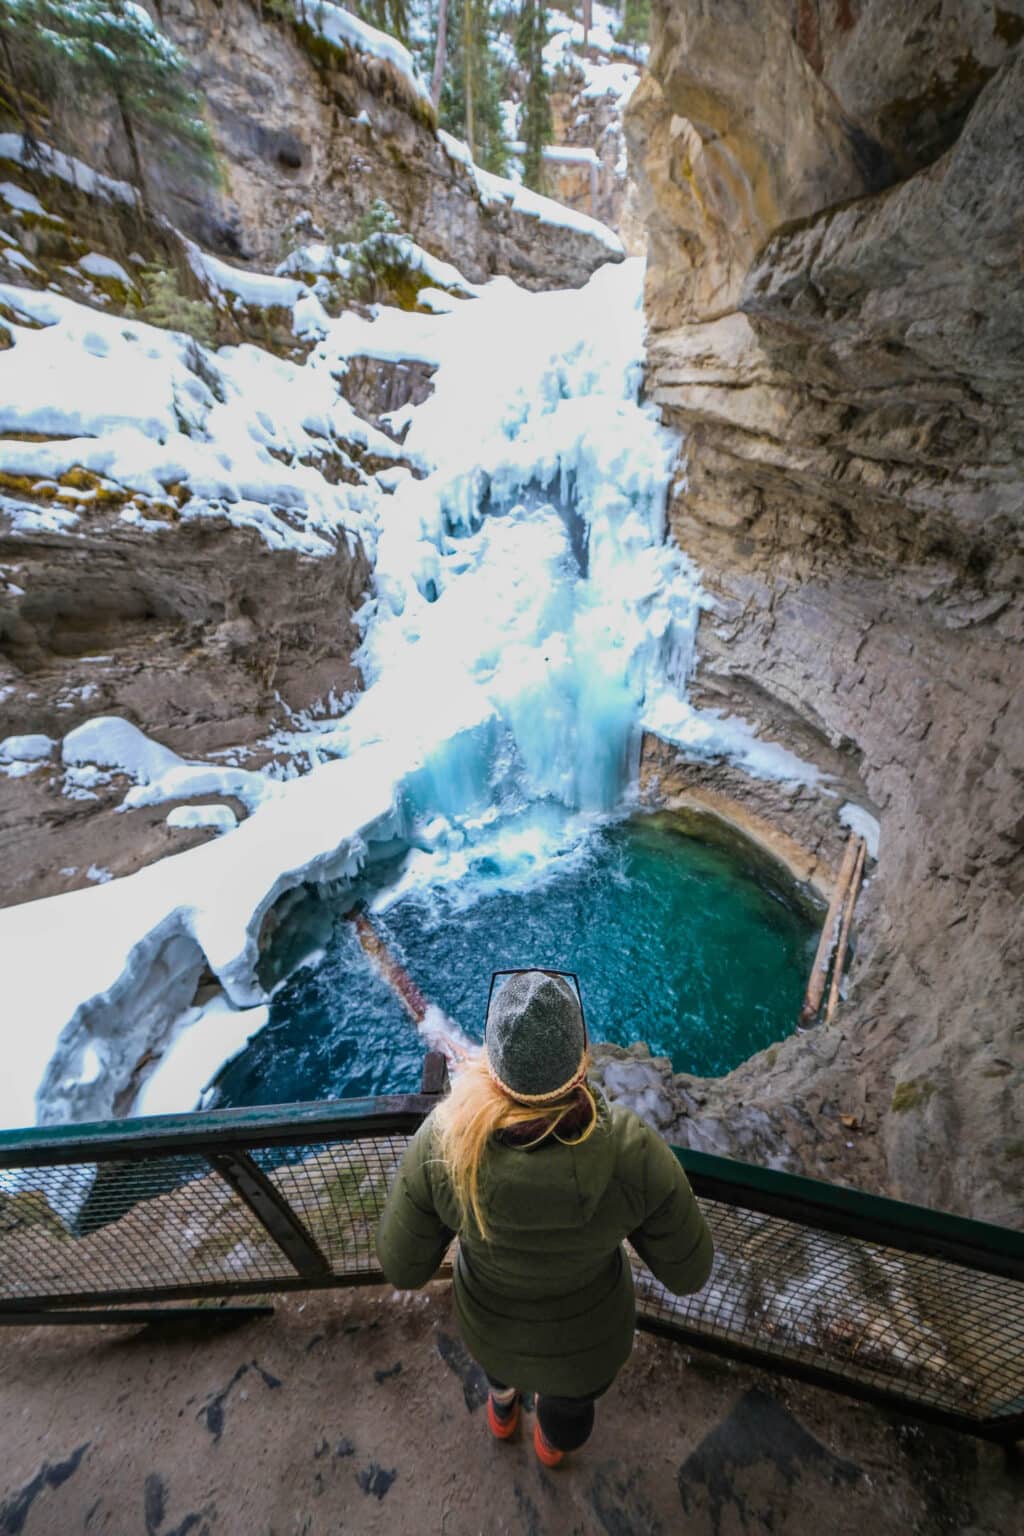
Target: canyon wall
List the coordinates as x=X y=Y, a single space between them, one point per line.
x=301 y=125
x=834 y=196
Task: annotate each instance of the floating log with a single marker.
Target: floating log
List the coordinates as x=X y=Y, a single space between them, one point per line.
x=829 y=935
x=844 y=932
x=429 y=1020
x=396 y=976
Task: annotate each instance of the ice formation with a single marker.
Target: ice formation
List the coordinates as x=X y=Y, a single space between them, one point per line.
x=527 y=616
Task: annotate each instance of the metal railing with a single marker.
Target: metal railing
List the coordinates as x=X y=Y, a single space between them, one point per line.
x=872 y=1297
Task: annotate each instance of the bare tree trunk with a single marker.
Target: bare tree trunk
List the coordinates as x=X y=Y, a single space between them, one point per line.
x=133 y=150
x=439 y=56
x=467 y=69
x=588 y=21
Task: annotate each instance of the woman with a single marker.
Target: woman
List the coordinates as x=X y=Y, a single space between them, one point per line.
x=541 y=1181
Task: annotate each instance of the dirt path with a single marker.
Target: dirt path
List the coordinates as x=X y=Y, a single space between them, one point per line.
x=359 y=1411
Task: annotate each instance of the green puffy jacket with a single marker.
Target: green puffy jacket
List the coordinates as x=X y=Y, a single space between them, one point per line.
x=546 y=1303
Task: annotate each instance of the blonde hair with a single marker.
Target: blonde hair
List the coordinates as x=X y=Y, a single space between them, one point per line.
x=475 y=1109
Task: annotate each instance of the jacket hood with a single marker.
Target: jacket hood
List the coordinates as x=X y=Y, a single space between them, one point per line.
x=551 y=1187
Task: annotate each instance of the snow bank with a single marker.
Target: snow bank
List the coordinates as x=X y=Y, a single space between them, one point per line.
x=185 y=781
x=131 y=951
x=98 y=265
x=709 y=733
x=16 y=197
x=260 y=290
x=570 y=154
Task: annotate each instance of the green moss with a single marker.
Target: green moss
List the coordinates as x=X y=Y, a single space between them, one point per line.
x=327 y=56
x=1014 y=1149
x=911 y=1095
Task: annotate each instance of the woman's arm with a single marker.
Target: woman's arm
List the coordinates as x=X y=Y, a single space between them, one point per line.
x=673 y=1240
x=411 y=1237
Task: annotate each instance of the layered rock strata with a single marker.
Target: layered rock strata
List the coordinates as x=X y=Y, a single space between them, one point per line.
x=834 y=198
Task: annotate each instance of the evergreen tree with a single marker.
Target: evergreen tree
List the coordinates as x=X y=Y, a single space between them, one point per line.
x=390 y=16
x=471 y=90
x=535 y=125
x=83 y=51
x=636 y=22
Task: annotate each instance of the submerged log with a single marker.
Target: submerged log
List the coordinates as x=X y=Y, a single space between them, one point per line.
x=829 y=935
x=844 y=932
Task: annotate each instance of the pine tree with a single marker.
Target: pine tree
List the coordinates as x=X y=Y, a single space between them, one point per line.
x=390 y=16
x=471 y=90
x=636 y=22
x=536 y=128
x=91 y=50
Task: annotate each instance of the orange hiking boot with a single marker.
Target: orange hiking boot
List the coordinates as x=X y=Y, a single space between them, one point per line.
x=545 y=1450
x=502 y=1418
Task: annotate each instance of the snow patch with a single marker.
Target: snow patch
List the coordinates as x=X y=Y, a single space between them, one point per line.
x=24 y=749
x=53 y=162
x=221 y=818
x=532 y=205
x=98 y=265
x=108 y=741
x=863 y=824
x=202 y=1042
x=16 y=197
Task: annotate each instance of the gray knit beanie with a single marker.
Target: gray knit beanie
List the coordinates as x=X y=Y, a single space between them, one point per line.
x=534 y=1036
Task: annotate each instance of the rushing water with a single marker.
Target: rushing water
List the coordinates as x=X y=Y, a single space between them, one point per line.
x=676 y=941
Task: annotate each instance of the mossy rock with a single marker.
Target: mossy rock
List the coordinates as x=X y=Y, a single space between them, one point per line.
x=913 y=1094
x=32 y=486
x=118 y=293
x=13 y=317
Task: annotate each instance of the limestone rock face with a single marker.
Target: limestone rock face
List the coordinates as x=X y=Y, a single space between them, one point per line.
x=299 y=126
x=755 y=115
x=837 y=305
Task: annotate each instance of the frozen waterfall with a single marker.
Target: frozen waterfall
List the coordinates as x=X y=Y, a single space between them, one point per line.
x=527 y=618
x=526 y=604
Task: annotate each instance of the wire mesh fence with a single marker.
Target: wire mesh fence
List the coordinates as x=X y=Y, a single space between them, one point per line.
x=875 y=1298
x=923 y=1330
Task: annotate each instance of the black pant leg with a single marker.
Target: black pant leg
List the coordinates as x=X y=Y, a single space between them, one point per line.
x=566 y=1422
